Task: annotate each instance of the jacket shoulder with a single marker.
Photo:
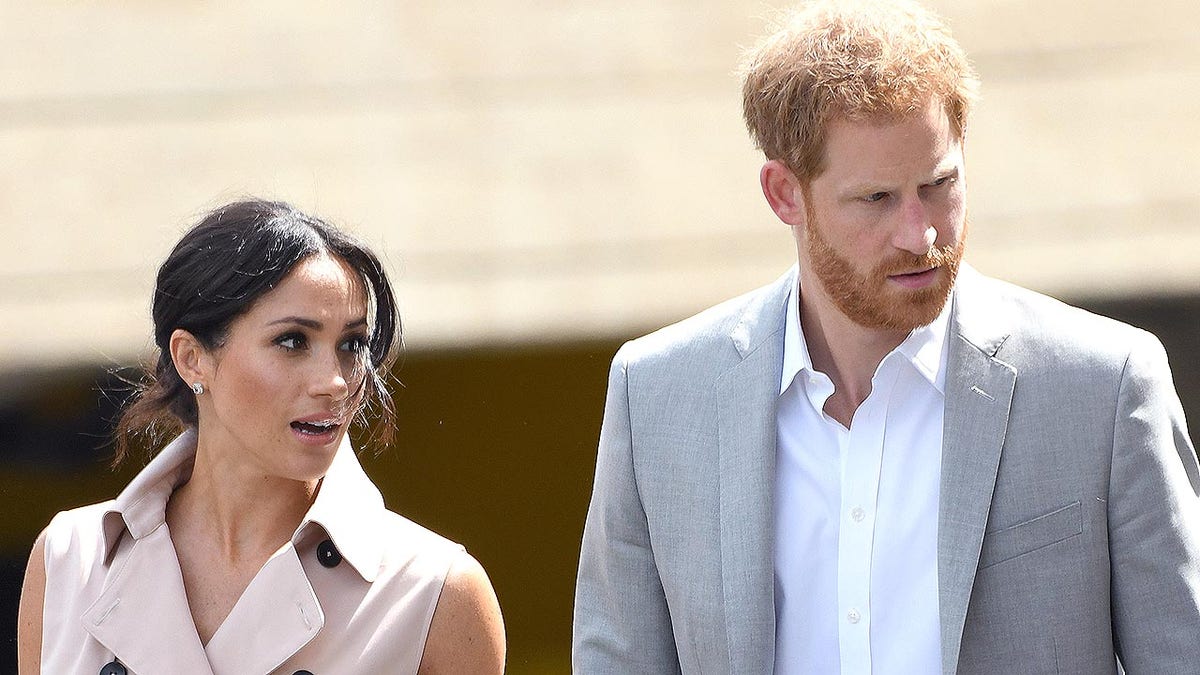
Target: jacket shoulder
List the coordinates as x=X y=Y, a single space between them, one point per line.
x=708 y=335
x=1042 y=327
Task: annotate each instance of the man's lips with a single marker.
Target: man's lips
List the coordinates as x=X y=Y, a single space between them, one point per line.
x=914 y=280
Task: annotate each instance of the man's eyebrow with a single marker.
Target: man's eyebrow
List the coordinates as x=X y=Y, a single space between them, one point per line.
x=313 y=323
x=949 y=170
x=855 y=190
x=867 y=186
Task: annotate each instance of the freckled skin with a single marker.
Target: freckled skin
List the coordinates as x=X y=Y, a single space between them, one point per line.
x=272 y=371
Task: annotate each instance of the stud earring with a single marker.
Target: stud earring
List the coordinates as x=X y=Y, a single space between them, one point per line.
x=198 y=388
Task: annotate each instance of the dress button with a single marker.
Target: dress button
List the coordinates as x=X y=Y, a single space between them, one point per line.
x=853 y=616
x=113 y=668
x=328 y=554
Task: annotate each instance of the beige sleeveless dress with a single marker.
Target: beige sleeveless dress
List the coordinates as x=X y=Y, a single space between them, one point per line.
x=352 y=592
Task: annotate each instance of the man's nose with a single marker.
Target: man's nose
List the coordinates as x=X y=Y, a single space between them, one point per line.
x=915 y=233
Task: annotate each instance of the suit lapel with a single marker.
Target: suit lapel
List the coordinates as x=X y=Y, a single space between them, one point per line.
x=150 y=632
x=747 y=396
x=979 y=390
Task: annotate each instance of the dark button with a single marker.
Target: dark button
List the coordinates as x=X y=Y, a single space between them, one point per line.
x=302 y=672
x=113 y=668
x=329 y=556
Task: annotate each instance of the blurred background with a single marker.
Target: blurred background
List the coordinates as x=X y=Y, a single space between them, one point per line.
x=545 y=180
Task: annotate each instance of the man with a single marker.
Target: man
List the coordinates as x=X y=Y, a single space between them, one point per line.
x=883 y=463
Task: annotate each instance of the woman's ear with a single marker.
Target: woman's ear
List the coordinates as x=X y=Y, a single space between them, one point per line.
x=783 y=192
x=191 y=359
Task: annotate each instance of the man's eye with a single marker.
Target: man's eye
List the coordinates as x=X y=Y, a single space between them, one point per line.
x=944 y=180
x=875 y=197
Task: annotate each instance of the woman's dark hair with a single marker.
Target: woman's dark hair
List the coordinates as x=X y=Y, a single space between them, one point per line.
x=225 y=263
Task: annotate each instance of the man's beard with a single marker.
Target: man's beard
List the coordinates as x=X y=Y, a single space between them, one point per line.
x=869 y=299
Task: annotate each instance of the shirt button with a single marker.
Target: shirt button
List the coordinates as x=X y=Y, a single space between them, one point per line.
x=857 y=514
x=328 y=554
x=302 y=672
x=853 y=616
x=113 y=668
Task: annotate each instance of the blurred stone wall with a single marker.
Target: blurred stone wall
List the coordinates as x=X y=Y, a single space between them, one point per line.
x=541 y=171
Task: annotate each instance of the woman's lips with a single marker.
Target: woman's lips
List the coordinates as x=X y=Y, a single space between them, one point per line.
x=318 y=432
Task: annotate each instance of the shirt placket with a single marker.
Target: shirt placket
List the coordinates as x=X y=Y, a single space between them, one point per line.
x=862 y=458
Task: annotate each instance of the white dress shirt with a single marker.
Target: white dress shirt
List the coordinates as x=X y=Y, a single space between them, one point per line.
x=856 y=511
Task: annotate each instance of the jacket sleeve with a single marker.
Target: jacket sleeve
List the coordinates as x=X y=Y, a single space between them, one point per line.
x=622 y=624
x=1154 y=522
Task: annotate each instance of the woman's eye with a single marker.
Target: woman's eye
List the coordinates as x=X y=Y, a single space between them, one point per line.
x=291 y=341
x=356 y=344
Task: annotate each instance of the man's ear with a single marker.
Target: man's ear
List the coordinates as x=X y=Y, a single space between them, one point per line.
x=191 y=359
x=782 y=190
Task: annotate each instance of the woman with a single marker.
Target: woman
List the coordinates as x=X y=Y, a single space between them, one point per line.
x=254 y=543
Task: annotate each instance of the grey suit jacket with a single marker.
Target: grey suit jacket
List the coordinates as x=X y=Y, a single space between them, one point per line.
x=1069 y=521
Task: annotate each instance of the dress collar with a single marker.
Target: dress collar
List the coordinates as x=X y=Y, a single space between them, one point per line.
x=348 y=506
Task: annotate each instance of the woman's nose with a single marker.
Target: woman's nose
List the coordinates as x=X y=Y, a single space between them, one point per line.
x=330 y=378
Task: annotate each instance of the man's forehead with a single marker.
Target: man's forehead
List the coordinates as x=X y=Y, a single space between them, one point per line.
x=923 y=140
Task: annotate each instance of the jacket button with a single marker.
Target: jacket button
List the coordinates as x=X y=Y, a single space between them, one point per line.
x=302 y=672
x=328 y=554
x=113 y=668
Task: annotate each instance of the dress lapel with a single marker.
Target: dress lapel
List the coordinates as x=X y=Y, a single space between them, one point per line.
x=979 y=390
x=747 y=396
x=275 y=617
x=142 y=616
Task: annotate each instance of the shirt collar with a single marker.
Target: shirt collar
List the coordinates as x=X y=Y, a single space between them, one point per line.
x=924 y=348
x=795 y=348
x=348 y=506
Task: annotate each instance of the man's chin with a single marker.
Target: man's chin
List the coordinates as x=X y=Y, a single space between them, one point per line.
x=900 y=311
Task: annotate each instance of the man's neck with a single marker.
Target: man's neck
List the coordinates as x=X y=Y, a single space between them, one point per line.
x=845 y=351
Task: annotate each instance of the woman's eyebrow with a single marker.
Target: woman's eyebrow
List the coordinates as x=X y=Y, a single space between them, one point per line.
x=313 y=323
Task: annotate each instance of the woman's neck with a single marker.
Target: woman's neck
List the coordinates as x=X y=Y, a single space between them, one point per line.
x=237 y=509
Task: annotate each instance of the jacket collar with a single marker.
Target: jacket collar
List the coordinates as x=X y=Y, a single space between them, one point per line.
x=762 y=321
x=977 y=318
x=347 y=508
